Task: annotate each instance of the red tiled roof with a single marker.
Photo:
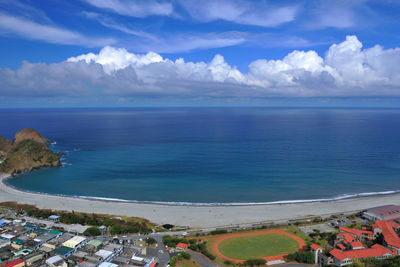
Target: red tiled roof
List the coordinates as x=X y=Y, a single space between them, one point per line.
x=182 y=245
x=13 y=263
x=375 y=251
x=339 y=245
x=356 y=232
x=391 y=238
x=153 y=264
x=346 y=236
x=356 y=244
x=315 y=246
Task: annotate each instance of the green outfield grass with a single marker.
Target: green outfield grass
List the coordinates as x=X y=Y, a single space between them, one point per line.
x=257 y=246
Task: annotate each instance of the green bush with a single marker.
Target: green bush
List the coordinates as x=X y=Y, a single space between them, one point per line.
x=301 y=257
x=92 y=231
x=253 y=262
x=186 y=255
x=172 y=241
x=150 y=241
x=116 y=229
x=218 y=232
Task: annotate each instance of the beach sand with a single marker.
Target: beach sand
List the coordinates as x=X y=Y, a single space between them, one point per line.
x=197 y=216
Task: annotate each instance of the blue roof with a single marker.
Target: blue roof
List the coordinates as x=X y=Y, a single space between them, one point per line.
x=54 y=217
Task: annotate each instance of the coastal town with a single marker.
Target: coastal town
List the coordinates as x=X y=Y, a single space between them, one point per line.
x=49 y=230
x=29 y=239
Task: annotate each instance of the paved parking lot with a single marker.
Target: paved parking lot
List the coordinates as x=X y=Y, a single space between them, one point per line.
x=73 y=228
x=323 y=228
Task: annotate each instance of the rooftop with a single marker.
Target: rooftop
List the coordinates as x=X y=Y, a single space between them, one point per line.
x=375 y=251
x=387 y=227
x=315 y=246
x=182 y=245
x=387 y=212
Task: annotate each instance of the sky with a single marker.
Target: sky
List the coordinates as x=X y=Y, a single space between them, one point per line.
x=129 y=53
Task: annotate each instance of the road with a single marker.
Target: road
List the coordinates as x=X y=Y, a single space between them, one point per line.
x=202 y=260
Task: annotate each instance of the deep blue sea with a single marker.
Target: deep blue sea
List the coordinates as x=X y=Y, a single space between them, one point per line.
x=214 y=155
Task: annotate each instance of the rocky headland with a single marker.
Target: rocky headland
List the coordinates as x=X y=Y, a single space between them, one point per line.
x=26 y=152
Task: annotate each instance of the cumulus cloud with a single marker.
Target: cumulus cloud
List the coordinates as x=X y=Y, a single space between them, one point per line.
x=346 y=70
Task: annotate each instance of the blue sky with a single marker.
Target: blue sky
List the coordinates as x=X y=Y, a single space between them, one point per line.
x=210 y=52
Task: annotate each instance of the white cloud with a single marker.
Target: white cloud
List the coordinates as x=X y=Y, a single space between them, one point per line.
x=346 y=70
x=138 y=9
x=110 y=23
x=189 y=42
x=52 y=34
x=241 y=12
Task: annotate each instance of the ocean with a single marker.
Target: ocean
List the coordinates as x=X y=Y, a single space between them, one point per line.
x=214 y=155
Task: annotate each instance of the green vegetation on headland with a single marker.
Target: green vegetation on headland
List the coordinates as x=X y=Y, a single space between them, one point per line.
x=116 y=225
x=28 y=151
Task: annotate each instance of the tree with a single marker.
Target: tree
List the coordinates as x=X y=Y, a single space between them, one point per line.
x=252 y=262
x=92 y=231
x=150 y=241
x=115 y=229
x=302 y=257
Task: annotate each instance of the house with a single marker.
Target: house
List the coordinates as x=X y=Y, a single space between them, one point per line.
x=181 y=246
x=74 y=242
x=16 y=263
x=342 y=258
x=383 y=213
x=108 y=264
x=315 y=249
x=17 y=243
x=54 y=218
x=356 y=245
x=56 y=261
x=358 y=234
x=387 y=230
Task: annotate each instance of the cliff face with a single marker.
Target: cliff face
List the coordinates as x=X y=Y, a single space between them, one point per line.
x=28 y=152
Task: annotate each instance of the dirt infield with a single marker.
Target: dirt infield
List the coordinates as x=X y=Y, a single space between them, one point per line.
x=219 y=238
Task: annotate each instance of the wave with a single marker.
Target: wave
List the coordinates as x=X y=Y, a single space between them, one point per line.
x=183 y=203
x=281 y=202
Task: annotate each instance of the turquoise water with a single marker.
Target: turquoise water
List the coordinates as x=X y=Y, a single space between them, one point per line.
x=214 y=155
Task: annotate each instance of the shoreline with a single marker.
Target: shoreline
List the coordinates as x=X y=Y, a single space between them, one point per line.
x=200 y=215
x=4 y=178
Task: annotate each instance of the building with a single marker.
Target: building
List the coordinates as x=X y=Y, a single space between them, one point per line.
x=17 y=243
x=316 y=250
x=387 y=230
x=342 y=258
x=16 y=263
x=358 y=234
x=56 y=261
x=383 y=213
x=108 y=264
x=74 y=242
x=54 y=218
x=4 y=242
x=181 y=246
x=103 y=254
x=33 y=259
x=94 y=244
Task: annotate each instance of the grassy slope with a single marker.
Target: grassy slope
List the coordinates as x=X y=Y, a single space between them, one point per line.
x=188 y=263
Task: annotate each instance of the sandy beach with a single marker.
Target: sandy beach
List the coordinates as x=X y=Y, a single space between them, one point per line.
x=196 y=216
